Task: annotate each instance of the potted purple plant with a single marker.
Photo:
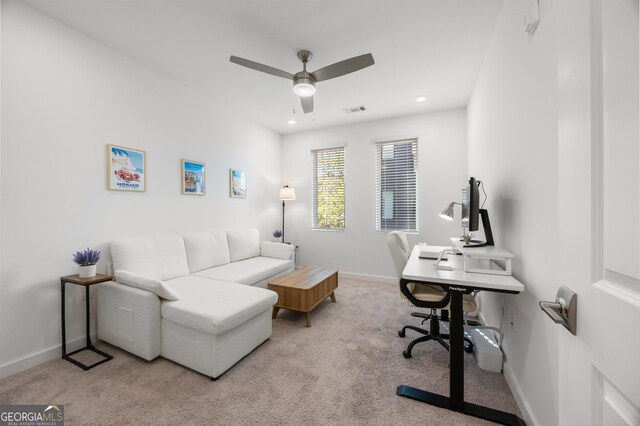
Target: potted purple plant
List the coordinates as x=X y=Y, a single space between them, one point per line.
x=86 y=260
x=277 y=234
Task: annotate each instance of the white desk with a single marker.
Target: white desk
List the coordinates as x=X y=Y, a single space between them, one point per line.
x=422 y=270
x=457 y=282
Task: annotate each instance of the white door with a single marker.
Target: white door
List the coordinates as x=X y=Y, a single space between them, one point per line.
x=599 y=214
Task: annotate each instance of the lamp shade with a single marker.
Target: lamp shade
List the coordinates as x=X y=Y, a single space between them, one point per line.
x=447 y=213
x=287 y=194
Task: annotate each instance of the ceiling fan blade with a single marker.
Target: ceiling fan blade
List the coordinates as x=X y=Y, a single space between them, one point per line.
x=307 y=104
x=260 y=67
x=343 y=67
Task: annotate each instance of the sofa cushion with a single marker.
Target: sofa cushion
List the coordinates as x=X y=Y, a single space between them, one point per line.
x=248 y=271
x=172 y=255
x=215 y=307
x=138 y=255
x=206 y=250
x=162 y=257
x=146 y=283
x=243 y=244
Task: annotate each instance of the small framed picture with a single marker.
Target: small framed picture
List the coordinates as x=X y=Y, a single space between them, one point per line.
x=126 y=169
x=237 y=183
x=192 y=177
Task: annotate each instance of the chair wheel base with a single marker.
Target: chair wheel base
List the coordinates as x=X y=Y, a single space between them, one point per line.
x=401 y=333
x=406 y=354
x=468 y=348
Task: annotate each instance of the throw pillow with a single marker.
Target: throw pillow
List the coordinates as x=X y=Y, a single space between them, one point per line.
x=145 y=283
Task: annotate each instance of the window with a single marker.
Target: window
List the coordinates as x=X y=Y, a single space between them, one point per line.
x=396 y=173
x=387 y=204
x=327 y=188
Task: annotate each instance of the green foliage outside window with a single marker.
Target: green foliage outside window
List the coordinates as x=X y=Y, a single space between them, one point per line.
x=329 y=189
x=331 y=201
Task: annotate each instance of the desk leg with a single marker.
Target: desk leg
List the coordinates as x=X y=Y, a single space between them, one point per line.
x=455 y=401
x=456 y=352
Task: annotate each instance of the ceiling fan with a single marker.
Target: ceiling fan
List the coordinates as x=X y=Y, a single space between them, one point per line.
x=304 y=82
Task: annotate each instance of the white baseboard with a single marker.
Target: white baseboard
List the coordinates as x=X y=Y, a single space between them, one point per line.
x=514 y=387
x=55 y=352
x=364 y=277
x=516 y=390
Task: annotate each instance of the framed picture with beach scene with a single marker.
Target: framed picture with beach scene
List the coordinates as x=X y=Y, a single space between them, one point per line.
x=237 y=183
x=126 y=169
x=192 y=177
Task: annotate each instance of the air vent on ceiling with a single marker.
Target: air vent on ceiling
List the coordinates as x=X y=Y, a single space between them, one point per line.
x=351 y=110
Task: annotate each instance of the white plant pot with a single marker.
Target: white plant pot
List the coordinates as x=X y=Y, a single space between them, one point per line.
x=87 y=271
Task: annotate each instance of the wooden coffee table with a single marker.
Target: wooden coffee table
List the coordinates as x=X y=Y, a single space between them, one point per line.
x=304 y=289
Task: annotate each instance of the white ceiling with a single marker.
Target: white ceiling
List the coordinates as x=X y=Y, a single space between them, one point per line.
x=421 y=47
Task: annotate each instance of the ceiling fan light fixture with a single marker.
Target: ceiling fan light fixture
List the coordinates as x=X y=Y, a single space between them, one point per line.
x=304 y=86
x=304 y=82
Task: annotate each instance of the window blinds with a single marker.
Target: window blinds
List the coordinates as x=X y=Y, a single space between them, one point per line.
x=396 y=174
x=327 y=188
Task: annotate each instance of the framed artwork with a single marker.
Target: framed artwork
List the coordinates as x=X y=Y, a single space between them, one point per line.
x=126 y=169
x=192 y=177
x=237 y=183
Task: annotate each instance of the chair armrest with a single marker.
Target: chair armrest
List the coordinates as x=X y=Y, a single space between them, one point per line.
x=277 y=250
x=404 y=288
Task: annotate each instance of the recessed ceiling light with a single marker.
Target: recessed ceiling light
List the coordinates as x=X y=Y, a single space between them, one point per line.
x=292 y=121
x=421 y=98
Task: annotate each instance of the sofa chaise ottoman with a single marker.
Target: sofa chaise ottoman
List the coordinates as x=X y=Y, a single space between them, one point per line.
x=199 y=299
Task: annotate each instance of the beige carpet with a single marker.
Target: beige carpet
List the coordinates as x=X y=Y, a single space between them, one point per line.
x=344 y=370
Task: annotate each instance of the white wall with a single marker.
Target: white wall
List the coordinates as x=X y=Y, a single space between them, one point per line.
x=64 y=97
x=359 y=248
x=512 y=123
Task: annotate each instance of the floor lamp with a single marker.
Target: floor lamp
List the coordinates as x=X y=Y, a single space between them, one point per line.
x=286 y=194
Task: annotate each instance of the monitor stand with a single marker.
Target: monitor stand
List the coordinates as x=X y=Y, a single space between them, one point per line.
x=475 y=243
x=484 y=215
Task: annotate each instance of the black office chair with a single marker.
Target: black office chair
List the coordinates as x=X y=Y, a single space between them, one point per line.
x=422 y=295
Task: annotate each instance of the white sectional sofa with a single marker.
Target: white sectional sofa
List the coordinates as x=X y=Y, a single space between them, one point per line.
x=199 y=300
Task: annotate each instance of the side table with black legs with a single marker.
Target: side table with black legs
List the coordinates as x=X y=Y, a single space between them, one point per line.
x=86 y=282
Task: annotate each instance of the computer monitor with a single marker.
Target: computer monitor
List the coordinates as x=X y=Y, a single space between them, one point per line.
x=470 y=205
x=471 y=214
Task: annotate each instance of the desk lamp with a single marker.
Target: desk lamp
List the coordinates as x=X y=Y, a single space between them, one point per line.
x=447 y=214
x=286 y=194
